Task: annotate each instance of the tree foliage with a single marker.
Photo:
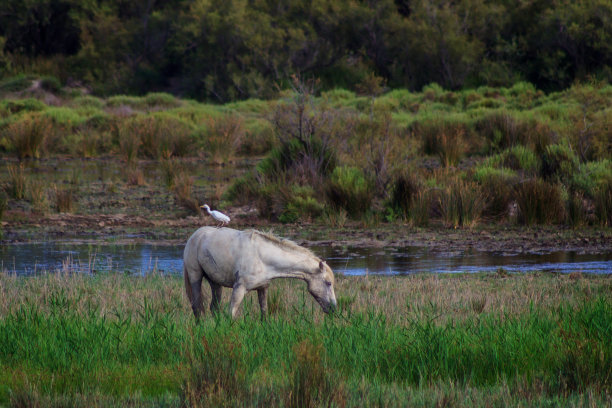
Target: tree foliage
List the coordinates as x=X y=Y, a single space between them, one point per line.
x=235 y=49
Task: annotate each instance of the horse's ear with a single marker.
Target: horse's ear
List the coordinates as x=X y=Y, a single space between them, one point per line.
x=322 y=266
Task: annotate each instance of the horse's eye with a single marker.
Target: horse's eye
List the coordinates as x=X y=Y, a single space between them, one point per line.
x=328 y=283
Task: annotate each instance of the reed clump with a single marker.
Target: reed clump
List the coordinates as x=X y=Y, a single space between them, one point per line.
x=498 y=187
x=539 y=202
x=27 y=135
x=17 y=181
x=443 y=138
x=223 y=137
x=64 y=200
x=182 y=186
x=461 y=203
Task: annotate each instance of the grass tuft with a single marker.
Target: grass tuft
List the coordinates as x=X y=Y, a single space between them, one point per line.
x=461 y=203
x=27 y=135
x=17 y=181
x=539 y=202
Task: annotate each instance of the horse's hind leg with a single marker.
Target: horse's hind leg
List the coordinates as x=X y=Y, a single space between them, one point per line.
x=196 y=298
x=216 y=291
x=263 y=301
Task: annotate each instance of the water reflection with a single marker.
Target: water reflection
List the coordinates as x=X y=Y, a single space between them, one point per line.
x=25 y=259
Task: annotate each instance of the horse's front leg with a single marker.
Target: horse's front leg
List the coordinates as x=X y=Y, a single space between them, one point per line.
x=216 y=291
x=238 y=293
x=263 y=301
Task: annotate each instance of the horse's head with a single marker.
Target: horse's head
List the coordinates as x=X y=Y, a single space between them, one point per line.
x=321 y=287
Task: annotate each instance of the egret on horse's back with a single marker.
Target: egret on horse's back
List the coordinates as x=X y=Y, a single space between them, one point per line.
x=217 y=215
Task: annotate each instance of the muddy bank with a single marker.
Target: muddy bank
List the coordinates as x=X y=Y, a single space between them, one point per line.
x=124 y=228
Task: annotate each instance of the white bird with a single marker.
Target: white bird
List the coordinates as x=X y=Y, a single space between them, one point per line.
x=217 y=215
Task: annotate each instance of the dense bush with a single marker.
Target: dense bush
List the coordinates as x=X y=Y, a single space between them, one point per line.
x=348 y=189
x=559 y=162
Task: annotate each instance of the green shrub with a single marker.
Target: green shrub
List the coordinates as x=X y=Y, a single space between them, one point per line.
x=122 y=100
x=599 y=135
x=591 y=175
x=50 y=84
x=243 y=190
x=23 y=105
x=15 y=84
x=159 y=100
x=498 y=189
x=302 y=205
x=559 y=162
x=539 y=202
x=310 y=161
x=87 y=101
x=336 y=95
x=500 y=129
x=348 y=189
x=258 y=137
x=516 y=158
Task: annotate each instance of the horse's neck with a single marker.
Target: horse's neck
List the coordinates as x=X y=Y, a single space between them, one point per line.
x=285 y=262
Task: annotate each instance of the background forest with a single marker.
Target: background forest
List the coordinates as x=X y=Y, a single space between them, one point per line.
x=238 y=49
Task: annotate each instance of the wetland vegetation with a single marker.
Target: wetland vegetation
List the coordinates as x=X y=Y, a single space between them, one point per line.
x=455 y=125
x=423 y=340
x=498 y=156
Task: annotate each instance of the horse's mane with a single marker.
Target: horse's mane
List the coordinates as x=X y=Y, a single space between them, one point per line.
x=283 y=242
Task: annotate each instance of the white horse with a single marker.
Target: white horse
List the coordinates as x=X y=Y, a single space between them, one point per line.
x=249 y=260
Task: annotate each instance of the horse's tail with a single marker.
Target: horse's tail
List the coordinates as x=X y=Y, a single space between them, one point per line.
x=187 y=285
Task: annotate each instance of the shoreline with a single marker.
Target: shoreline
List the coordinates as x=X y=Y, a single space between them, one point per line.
x=125 y=229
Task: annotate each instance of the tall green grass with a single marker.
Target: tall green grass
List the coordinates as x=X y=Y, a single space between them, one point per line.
x=125 y=336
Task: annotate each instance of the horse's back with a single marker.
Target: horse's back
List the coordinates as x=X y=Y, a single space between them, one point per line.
x=215 y=252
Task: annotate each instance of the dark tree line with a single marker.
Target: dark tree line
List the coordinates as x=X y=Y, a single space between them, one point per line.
x=233 y=49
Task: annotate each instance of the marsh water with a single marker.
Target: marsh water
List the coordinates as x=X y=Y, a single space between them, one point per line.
x=33 y=258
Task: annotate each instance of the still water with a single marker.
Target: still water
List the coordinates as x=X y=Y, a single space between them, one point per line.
x=27 y=259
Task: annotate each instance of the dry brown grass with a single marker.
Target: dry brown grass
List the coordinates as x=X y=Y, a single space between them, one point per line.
x=401 y=299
